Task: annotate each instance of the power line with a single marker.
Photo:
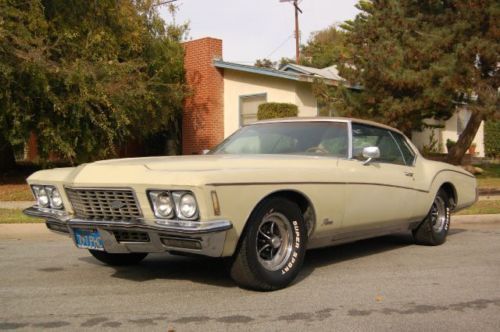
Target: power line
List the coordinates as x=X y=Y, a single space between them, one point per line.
x=280 y=46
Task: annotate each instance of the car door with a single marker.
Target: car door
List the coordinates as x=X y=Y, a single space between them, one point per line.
x=378 y=193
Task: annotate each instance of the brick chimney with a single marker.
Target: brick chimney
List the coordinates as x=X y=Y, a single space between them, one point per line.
x=203 y=115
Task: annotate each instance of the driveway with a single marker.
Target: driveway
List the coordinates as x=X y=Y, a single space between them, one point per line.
x=379 y=284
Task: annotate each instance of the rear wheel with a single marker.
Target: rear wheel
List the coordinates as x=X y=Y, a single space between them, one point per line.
x=272 y=249
x=118 y=259
x=434 y=228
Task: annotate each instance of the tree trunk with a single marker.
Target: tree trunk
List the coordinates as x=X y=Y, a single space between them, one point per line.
x=457 y=152
x=7 y=158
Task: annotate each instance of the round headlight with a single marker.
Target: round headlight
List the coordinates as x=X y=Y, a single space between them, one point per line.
x=55 y=199
x=164 y=205
x=42 y=197
x=187 y=206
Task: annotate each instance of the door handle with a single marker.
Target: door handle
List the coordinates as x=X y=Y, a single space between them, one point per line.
x=409 y=174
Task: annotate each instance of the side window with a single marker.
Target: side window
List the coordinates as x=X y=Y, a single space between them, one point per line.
x=364 y=136
x=407 y=151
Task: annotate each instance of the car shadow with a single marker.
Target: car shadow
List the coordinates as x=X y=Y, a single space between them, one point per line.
x=215 y=271
x=317 y=258
x=204 y=270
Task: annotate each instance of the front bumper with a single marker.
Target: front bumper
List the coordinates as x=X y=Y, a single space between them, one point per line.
x=197 y=237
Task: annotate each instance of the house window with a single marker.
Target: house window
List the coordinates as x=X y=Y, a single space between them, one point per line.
x=249 y=105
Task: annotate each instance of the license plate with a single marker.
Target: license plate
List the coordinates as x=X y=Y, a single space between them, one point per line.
x=88 y=239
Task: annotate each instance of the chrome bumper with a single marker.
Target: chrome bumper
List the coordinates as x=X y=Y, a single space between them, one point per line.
x=196 y=237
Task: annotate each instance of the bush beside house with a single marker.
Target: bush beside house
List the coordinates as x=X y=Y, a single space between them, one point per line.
x=492 y=139
x=277 y=110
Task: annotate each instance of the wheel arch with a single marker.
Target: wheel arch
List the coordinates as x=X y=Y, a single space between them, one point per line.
x=451 y=191
x=302 y=200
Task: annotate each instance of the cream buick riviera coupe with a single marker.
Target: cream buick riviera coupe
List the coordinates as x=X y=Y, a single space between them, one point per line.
x=262 y=197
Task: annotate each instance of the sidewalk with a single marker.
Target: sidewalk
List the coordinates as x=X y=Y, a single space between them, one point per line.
x=18 y=205
x=483 y=218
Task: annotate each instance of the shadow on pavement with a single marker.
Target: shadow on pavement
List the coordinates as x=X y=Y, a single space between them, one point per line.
x=211 y=271
x=214 y=271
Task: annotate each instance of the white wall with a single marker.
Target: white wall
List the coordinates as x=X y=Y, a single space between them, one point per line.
x=280 y=90
x=450 y=131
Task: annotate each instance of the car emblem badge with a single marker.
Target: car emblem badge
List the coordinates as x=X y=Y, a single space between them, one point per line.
x=117 y=204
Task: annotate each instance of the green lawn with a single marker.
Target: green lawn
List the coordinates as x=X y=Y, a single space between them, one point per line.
x=482 y=207
x=490 y=178
x=13 y=216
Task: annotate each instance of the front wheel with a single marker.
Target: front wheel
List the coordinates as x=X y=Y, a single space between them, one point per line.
x=273 y=246
x=118 y=259
x=434 y=228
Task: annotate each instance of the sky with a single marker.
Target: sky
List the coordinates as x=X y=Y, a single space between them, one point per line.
x=255 y=29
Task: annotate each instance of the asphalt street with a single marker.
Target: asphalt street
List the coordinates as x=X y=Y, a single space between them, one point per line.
x=381 y=284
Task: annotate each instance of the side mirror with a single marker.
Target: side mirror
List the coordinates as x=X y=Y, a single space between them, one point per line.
x=370 y=153
x=205 y=151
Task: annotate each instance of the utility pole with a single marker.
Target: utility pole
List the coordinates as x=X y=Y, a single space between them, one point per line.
x=297 y=31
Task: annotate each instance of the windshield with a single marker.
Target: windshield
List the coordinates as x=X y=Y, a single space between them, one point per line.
x=320 y=138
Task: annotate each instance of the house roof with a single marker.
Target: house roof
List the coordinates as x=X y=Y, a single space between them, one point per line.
x=295 y=72
x=329 y=72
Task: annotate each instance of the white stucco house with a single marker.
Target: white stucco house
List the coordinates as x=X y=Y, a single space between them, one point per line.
x=227 y=95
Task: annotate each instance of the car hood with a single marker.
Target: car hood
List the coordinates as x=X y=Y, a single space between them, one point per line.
x=189 y=170
x=197 y=163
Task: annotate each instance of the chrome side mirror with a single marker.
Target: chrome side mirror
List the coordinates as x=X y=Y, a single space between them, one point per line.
x=370 y=153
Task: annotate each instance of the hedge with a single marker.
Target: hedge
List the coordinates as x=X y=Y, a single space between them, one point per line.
x=277 y=110
x=492 y=138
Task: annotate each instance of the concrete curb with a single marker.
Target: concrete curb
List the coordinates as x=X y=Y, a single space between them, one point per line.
x=489 y=191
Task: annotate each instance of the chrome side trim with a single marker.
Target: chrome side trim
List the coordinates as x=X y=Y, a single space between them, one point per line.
x=312 y=182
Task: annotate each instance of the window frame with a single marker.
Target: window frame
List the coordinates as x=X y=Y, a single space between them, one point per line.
x=240 y=99
x=391 y=134
x=405 y=139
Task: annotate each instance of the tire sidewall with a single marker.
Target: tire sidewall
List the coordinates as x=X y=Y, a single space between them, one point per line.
x=439 y=237
x=291 y=268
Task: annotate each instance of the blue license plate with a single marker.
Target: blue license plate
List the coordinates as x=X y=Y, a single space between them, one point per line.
x=88 y=239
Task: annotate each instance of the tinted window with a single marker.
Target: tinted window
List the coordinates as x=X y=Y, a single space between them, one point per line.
x=322 y=138
x=364 y=136
x=407 y=151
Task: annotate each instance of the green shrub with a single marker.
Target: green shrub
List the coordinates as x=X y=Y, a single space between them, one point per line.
x=492 y=139
x=277 y=110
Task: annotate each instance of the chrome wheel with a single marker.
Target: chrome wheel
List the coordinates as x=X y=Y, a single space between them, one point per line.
x=438 y=214
x=274 y=241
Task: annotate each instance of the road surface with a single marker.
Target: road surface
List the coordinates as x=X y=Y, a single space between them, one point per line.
x=374 y=285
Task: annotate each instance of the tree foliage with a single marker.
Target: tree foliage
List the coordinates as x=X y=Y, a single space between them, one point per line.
x=325 y=48
x=420 y=59
x=85 y=76
x=265 y=63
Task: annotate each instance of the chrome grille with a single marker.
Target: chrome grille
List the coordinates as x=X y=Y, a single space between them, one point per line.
x=104 y=204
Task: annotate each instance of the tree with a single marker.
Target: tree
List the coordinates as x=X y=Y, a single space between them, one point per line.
x=420 y=59
x=86 y=76
x=324 y=48
x=265 y=63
